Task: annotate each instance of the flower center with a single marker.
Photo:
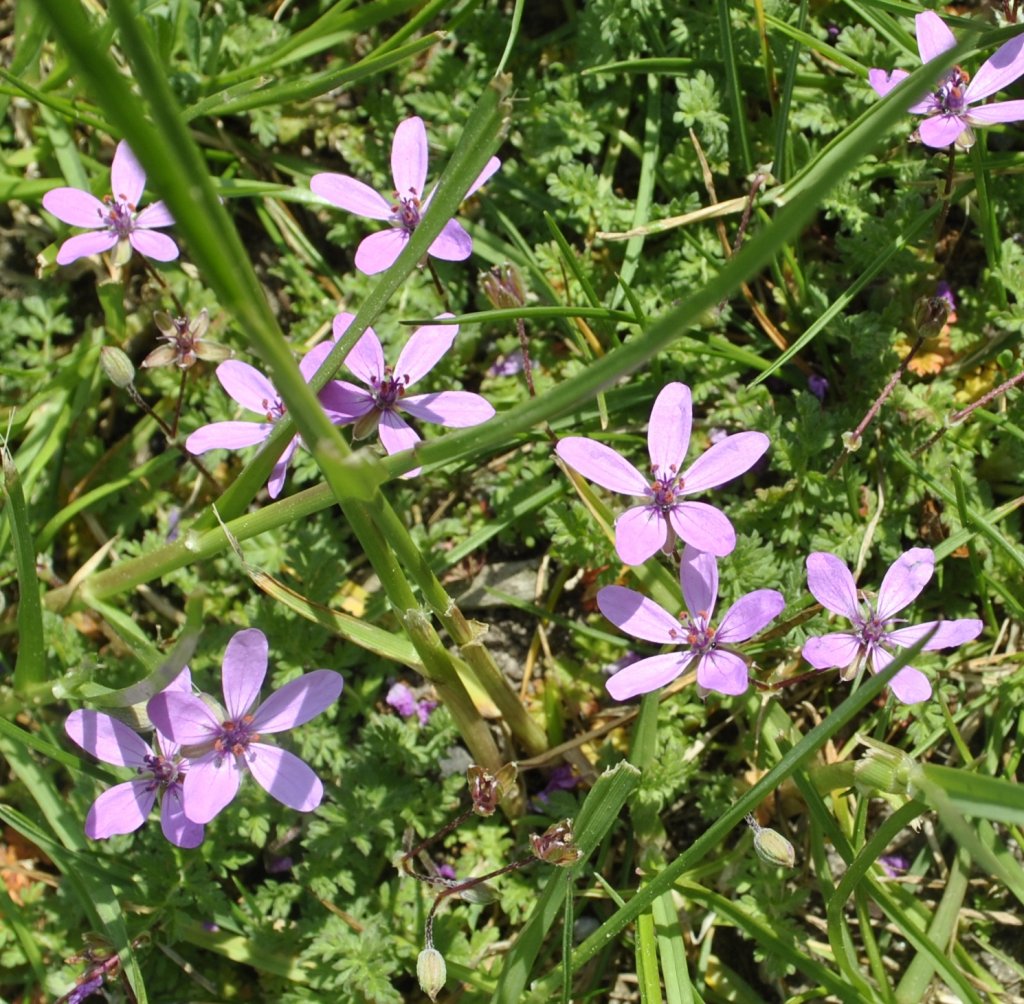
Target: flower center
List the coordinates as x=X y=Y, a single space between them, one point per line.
x=950 y=95
x=120 y=215
x=387 y=392
x=664 y=489
x=273 y=409
x=698 y=633
x=873 y=630
x=235 y=736
x=165 y=772
x=405 y=213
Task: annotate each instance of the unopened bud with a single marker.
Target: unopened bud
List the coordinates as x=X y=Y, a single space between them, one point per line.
x=431 y=972
x=478 y=894
x=503 y=286
x=930 y=314
x=117 y=366
x=487 y=789
x=771 y=846
x=885 y=769
x=556 y=845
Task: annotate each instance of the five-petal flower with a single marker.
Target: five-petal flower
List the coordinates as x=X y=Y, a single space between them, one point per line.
x=719 y=668
x=114 y=220
x=642 y=530
x=222 y=743
x=377 y=405
x=948 y=108
x=125 y=807
x=874 y=635
x=406 y=207
x=253 y=391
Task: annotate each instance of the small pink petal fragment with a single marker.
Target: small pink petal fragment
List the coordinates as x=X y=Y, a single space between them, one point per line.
x=409 y=154
x=156 y=215
x=127 y=179
x=998 y=111
x=176 y=826
x=933 y=37
x=883 y=82
x=452 y=243
x=481 y=179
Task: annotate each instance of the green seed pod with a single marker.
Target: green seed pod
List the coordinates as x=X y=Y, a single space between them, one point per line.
x=930 y=314
x=117 y=367
x=431 y=972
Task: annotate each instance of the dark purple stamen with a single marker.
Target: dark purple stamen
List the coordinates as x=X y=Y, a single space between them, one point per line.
x=405 y=214
x=950 y=95
x=120 y=215
x=165 y=772
x=388 y=392
x=235 y=736
x=273 y=409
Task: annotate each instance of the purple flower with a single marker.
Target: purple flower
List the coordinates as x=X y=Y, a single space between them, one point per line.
x=832 y=585
x=640 y=531
x=223 y=742
x=253 y=391
x=125 y=807
x=405 y=207
x=818 y=386
x=403 y=700
x=948 y=109
x=719 y=667
x=115 y=219
x=377 y=405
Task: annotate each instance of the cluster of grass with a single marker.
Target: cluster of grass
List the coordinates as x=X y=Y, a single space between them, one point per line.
x=704 y=192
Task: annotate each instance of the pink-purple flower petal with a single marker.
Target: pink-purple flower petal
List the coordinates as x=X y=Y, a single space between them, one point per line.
x=409 y=154
x=639 y=616
x=832 y=651
x=933 y=36
x=227 y=436
x=832 y=585
x=725 y=461
x=640 y=533
x=127 y=179
x=1001 y=69
x=904 y=580
x=909 y=685
x=286 y=777
x=698 y=576
x=454 y=409
x=121 y=809
x=750 y=614
x=351 y=195
x=941 y=130
x=246 y=385
x=244 y=668
x=380 y=251
x=648 y=674
x=183 y=718
x=425 y=347
x=397 y=435
x=298 y=701
x=723 y=672
x=275 y=483
x=176 y=826
x=366 y=357
x=83 y=245
x=704 y=527
x=211 y=783
x=948 y=634
x=75 y=207
x=481 y=179
x=153 y=244
x=106 y=738
x=884 y=82
x=453 y=243
x=668 y=434
x=346 y=402
x=998 y=111
x=155 y=215
x=602 y=465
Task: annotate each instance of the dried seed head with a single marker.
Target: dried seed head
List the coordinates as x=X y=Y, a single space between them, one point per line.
x=556 y=845
x=503 y=286
x=487 y=789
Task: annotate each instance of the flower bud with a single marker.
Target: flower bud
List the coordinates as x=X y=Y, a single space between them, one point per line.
x=503 y=286
x=930 y=314
x=117 y=366
x=885 y=769
x=773 y=847
x=487 y=789
x=431 y=972
x=556 y=845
